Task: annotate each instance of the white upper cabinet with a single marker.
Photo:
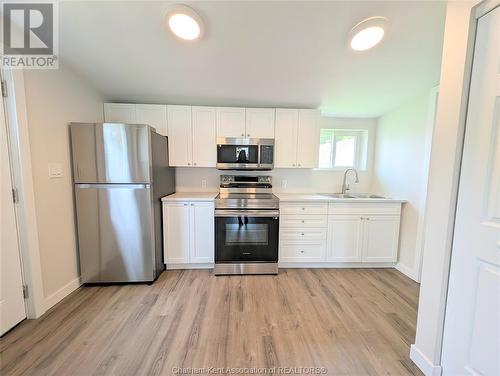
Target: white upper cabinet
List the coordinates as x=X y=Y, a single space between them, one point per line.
x=154 y=115
x=179 y=135
x=285 y=142
x=119 y=113
x=260 y=122
x=231 y=122
x=204 y=136
x=308 y=139
x=296 y=138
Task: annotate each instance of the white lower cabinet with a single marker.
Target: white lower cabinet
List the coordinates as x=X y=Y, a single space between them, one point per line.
x=188 y=232
x=350 y=233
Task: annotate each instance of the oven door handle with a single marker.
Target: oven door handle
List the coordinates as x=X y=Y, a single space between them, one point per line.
x=247 y=213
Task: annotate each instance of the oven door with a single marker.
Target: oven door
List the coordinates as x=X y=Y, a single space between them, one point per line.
x=246 y=236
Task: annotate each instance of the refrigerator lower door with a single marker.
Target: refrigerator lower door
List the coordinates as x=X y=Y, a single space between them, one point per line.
x=115 y=232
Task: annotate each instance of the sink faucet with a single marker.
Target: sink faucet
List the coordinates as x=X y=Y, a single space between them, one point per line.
x=345 y=186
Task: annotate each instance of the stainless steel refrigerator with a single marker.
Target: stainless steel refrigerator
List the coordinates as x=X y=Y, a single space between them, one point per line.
x=120 y=172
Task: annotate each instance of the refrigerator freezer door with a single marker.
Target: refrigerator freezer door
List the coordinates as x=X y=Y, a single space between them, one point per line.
x=115 y=232
x=111 y=153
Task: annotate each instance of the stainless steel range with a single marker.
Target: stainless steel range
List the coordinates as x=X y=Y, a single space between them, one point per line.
x=246 y=226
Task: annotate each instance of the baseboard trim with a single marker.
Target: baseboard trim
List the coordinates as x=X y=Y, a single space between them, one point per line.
x=424 y=363
x=334 y=265
x=410 y=273
x=60 y=294
x=189 y=266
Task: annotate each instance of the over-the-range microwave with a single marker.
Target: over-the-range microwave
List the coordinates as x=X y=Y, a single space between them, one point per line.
x=245 y=153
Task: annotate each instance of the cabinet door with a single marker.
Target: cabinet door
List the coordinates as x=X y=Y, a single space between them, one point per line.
x=260 y=122
x=204 y=136
x=179 y=135
x=119 y=113
x=202 y=232
x=285 y=140
x=154 y=115
x=176 y=232
x=231 y=122
x=381 y=235
x=344 y=238
x=308 y=139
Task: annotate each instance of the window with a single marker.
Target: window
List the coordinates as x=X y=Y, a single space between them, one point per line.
x=342 y=148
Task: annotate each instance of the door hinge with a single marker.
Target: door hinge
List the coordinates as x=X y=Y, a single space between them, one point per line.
x=25 y=291
x=4 y=88
x=15 y=195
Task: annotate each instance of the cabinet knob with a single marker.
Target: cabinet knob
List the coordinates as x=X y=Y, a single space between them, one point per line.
x=301 y=251
x=303 y=208
x=300 y=165
x=194 y=163
x=367 y=218
x=248 y=134
x=189 y=164
x=192 y=204
x=361 y=218
x=243 y=134
x=185 y=204
x=302 y=234
x=293 y=165
x=303 y=221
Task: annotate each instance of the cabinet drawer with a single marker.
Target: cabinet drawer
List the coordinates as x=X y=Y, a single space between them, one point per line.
x=306 y=235
x=302 y=252
x=303 y=208
x=374 y=208
x=304 y=221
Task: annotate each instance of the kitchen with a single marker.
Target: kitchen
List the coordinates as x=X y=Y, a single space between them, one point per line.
x=258 y=198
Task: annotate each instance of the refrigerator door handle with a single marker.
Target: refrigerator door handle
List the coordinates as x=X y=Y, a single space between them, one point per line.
x=110 y=186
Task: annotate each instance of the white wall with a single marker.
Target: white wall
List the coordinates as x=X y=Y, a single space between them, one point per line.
x=401 y=170
x=297 y=180
x=53 y=99
x=443 y=183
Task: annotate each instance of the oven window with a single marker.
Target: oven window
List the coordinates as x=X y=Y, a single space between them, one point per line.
x=243 y=154
x=246 y=233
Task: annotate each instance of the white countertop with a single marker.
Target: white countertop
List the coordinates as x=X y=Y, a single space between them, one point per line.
x=324 y=198
x=191 y=196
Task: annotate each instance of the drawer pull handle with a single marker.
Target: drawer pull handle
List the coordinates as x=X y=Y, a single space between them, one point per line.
x=303 y=221
x=303 y=208
x=302 y=234
x=301 y=251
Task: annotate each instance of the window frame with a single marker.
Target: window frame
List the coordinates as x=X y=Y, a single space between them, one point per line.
x=358 y=135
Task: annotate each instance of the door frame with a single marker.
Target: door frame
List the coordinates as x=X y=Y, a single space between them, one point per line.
x=22 y=176
x=438 y=276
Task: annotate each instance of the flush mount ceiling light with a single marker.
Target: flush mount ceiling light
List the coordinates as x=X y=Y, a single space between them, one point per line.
x=368 y=33
x=184 y=22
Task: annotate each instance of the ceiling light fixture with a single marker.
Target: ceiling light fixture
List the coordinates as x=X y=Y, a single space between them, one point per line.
x=184 y=22
x=368 y=33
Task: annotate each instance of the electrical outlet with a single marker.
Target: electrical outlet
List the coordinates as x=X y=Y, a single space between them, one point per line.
x=203 y=183
x=284 y=183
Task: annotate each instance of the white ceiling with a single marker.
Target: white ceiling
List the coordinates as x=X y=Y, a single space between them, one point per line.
x=286 y=54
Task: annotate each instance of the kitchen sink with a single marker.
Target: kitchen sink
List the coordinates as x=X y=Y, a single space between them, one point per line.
x=354 y=195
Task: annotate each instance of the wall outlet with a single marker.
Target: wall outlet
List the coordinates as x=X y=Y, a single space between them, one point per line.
x=203 y=183
x=55 y=170
x=284 y=182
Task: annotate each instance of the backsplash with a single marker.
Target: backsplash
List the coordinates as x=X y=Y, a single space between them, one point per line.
x=284 y=180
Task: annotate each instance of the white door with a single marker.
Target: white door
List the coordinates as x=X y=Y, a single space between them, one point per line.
x=345 y=238
x=179 y=136
x=202 y=232
x=12 y=309
x=260 y=122
x=308 y=139
x=176 y=232
x=380 y=238
x=154 y=115
x=231 y=122
x=471 y=343
x=285 y=141
x=204 y=136
x=119 y=113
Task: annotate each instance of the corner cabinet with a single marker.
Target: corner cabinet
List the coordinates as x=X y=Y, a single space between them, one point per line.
x=188 y=233
x=296 y=138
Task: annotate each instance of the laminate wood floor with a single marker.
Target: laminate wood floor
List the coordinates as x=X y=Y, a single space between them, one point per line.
x=350 y=321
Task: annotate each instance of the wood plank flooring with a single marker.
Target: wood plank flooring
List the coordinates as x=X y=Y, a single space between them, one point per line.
x=350 y=321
